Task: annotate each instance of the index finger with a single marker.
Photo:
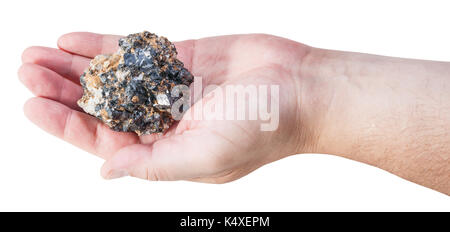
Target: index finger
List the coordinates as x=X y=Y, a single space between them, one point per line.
x=89 y=45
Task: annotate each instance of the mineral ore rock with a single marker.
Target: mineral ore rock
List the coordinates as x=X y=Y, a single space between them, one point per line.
x=130 y=90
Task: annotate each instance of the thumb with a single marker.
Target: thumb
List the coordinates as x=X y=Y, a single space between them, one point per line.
x=178 y=157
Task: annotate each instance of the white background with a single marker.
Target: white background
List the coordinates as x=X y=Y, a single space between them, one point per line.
x=39 y=172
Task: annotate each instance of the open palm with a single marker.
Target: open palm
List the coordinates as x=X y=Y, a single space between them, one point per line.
x=215 y=151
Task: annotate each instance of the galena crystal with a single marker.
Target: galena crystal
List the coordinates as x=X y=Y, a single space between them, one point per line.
x=130 y=90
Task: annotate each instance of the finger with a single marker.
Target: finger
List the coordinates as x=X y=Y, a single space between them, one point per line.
x=77 y=128
x=44 y=82
x=88 y=44
x=65 y=64
x=203 y=57
x=91 y=44
x=178 y=157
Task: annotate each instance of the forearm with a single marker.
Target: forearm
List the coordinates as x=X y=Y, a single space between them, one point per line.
x=388 y=112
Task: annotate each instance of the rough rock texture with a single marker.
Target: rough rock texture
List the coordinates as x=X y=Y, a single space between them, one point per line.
x=130 y=89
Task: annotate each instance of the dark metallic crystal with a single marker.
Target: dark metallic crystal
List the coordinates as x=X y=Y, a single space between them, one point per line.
x=130 y=90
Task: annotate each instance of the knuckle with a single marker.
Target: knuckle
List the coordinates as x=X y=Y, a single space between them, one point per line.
x=155 y=174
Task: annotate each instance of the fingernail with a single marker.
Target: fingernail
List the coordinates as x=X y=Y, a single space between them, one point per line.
x=117 y=174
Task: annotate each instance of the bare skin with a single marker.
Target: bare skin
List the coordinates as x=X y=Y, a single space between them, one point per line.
x=388 y=112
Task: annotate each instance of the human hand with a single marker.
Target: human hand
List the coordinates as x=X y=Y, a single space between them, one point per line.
x=214 y=151
x=388 y=112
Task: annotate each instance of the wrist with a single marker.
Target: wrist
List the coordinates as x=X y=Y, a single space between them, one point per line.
x=335 y=104
x=316 y=89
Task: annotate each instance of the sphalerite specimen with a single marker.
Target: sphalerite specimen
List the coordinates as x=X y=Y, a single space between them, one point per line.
x=130 y=90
